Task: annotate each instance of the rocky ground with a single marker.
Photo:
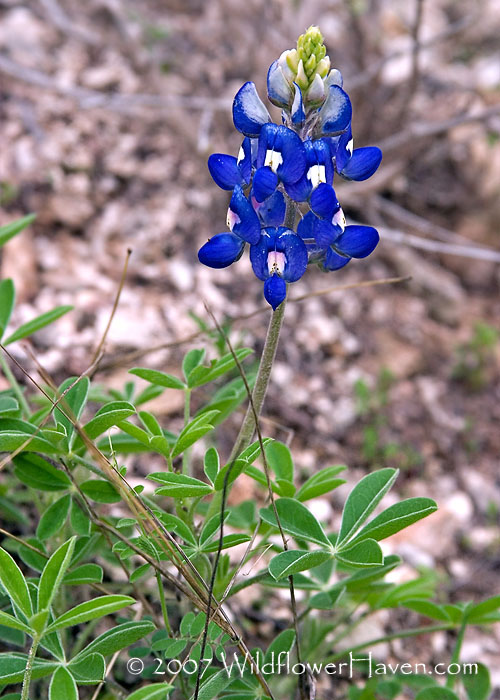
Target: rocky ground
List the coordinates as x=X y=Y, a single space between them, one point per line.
x=108 y=111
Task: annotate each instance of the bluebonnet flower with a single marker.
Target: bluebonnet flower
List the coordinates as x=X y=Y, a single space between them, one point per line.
x=281 y=166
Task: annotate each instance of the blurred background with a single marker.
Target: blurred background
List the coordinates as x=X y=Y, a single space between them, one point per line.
x=108 y=112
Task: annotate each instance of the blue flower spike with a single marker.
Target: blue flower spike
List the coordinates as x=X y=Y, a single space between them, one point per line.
x=282 y=165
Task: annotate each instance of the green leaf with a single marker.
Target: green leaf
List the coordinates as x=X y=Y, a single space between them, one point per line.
x=12 y=439
x=63 y=686
x=9 y=407
x=53 y=518
x=397 y=517
x=175 y=524
x=108 y=416
x=80 y=521
x=37 y=323
x=427 y=608
x=100 y=490
x=13 y=665
x=86 y=573
x=283 y=643
x=193 y=431
x=477 y=685
x=436 y=693
x=211 y=687
x=365 y=553
x=157 y=691
x=150 y=422
x=179 y=485
x=320 y=483
x=117 y=638
x=297 y=520
x=34 y=471
x=13 y=623
x=211 y=526
x=227 y=542
x=295 y=560
x=7 y=299
x=75 y=400
x=202 y=375
x=363 y=500
x=326 y=600
x=158 y=378
x=280 y=460
x=479 y=613
x=211 y=464
x=53 y=573
x=10 y=230
x=89 y=670
x=14 y=583
x=191 y=360
x=90 y=610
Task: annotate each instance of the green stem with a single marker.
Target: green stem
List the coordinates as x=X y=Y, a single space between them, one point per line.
x=15 y=387
x=259 y=393
x=29 y=669
x=187 y=417
x=388 y=638
x=163 y=604
x=268 y=354
x=450 y=681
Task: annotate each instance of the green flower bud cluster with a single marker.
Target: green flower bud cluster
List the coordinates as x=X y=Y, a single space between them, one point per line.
x=308 y=65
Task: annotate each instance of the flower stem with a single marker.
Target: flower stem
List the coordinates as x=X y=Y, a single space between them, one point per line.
x=259 y=393
x=163 y=603
x=29 y=669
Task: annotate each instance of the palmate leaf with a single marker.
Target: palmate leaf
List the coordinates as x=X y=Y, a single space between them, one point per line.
x=117 y=638
x=7 y=299
x=13 y=665
x=363 y=500
x=396 y=518
x=53 y=573
x=158 y=378
x=157 y=691
x=179 y=485
x=90 y=610
x=37 y=323
x=10 y=230
x=63 y=686
x=297 y=520
x=295 y=560
x=14 y=583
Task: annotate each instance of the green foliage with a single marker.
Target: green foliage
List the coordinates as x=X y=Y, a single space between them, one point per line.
x=474 y=359
x=166 y=525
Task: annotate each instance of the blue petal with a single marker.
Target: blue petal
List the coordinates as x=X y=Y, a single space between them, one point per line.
x=264 y=183
x=324 y=157
x=357 y=241
x=275 y=290
x=249 y=112
x=221 y=250
x=305 y=228
x=325 y=233
x=343 y=152
x=336 y=113
x=295 y=252
x=298 y=114
x=278 y=87
x=225 y=171
x=290 y=156
x=259 y=253
x=363 y=163
x=334 y=261
x=245 y=162
x=272 y=210
x=324 y=202
x=299 y=191
x=246 y=223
